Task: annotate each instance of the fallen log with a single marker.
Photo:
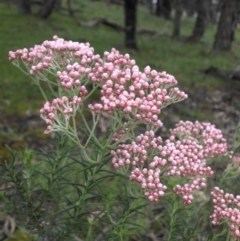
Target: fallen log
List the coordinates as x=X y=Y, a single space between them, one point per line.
x=229 y=74
x=97 y=21
x=146 y=31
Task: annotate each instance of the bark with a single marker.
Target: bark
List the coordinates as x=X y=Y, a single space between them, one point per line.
x=70 y=10
x=130 y=8
x=58 y=5
x=158 y=8
x=47 y=8
x=24 y=7
x=149 y=5
x=97 y=21
x=163 y=8
x=227 y=25
x=190 y=7
x=213 y=12
x=201 y=21
x=167 y=8
x=177 y=18
x=229 y=74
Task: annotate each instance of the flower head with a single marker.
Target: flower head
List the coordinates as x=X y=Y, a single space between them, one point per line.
x=226 y=209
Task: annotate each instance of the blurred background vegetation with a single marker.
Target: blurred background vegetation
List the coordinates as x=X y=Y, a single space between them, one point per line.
x=176 y=36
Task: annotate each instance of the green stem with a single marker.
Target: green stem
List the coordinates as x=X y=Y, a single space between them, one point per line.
x=92 y=91
x=71 y=133
x=77 y=142
x=80 y=203
x=89 y=131
x=89 y=233
x=95 y=122
x=51 y=89
x=174 y=208
x=41 y=90
x=36 y=81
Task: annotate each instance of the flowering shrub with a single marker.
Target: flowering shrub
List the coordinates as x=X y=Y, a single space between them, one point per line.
x=128 y=98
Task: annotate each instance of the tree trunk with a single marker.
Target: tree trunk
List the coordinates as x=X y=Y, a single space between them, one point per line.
x=190 y=7
x=47 y=8
x=70 y=10
x=227 y=25
x=164 y=9
x=130 y=8
x=177 y=18
x=201 y=21
x=24 y=7
x=58 y=5
x=213 y=12
x=167 y=8
x=158 y=8
x=149 y=5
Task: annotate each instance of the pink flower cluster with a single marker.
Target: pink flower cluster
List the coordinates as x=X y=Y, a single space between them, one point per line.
x=150 y=182
x=213 y=141
x=186 y=157
x=187 y=189
x=73 y=76
x=183 y=158
x=119 y=134
x=57 y=113
x=56 y=54
x=226 y=209
x=236 y=159
x=140 y=96
x=125 y=90
x=136 y=153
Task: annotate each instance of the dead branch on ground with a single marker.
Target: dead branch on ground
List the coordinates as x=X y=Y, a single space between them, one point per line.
x=98 y=21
